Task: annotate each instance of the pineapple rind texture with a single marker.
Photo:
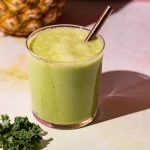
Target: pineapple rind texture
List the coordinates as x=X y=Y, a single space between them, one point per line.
x=21 y=17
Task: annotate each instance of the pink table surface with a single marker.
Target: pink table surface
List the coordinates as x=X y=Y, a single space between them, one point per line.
x=125 y=96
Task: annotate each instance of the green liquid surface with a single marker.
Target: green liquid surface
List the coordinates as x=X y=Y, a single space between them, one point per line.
x=65 y=45
x=65 y=89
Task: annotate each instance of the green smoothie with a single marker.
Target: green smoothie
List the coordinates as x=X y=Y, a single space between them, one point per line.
x=64 y=74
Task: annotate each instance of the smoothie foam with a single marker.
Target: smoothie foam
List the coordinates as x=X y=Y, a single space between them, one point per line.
x=65 y=45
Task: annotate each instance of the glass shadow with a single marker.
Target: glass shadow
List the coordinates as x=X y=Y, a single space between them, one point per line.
x=122 y=93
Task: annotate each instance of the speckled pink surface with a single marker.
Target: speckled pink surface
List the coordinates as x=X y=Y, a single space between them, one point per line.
x=125 y=95
x=127 y=36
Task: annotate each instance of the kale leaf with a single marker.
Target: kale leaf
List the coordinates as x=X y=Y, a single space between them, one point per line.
x=20 y=135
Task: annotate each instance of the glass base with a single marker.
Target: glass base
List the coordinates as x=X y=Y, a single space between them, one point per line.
x=69 y=126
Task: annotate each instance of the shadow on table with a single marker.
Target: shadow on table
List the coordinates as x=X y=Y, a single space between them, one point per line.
x=45 y=142
x=85 y=12
x=122 y=93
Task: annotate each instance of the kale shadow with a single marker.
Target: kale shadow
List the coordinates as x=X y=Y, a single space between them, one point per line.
x=45 y=142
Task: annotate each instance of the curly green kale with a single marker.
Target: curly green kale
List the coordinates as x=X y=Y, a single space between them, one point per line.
x=20 y=135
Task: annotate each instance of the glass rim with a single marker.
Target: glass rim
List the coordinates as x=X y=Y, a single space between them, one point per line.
x=62 y=62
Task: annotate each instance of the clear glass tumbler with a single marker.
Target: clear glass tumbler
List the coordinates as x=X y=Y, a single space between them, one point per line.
x=64 y=94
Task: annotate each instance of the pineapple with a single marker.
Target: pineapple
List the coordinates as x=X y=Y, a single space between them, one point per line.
x=21 y=17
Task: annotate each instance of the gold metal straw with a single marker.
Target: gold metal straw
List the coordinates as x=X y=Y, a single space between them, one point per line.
x=107 y=12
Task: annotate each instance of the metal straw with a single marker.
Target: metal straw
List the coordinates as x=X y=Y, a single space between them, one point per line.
x=107 y=12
